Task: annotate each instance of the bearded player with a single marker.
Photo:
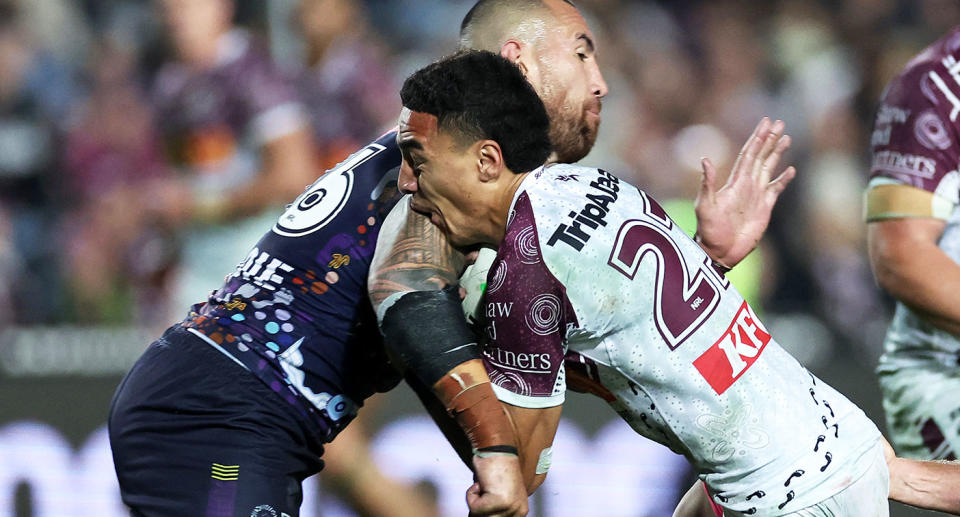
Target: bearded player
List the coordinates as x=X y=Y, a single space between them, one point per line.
x=228 y=412
x=590 y=264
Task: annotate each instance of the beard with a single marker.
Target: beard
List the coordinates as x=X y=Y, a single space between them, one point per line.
x=571 y=133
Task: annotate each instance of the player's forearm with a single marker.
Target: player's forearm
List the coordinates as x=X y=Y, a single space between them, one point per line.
x=923 y=277
x=466 y=393
x=287 y=167
x=933 y=485
x=535 y=429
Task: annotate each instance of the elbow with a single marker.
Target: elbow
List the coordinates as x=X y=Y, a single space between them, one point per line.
x=533 y=483
x=886 y=276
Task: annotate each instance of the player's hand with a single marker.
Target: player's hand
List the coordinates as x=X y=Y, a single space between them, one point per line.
x=499 y=490
x=731 y=220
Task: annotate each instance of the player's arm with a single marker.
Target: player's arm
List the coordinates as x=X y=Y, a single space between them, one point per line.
x=934 y=485
x=535 y=430
x=696 y=503
x=286 y=167
x=732 y=219
x=412 y=285
x=909 y=265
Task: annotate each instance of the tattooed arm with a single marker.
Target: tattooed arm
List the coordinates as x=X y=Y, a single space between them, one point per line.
x=410 y=281
x=412 y=255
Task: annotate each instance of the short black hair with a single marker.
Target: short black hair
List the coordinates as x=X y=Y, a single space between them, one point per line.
x=478 y=95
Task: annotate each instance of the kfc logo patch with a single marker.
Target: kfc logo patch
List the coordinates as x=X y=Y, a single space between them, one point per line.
x=738 y=348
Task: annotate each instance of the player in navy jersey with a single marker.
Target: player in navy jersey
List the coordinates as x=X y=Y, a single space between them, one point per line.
x=590 y=264
x=227 y=413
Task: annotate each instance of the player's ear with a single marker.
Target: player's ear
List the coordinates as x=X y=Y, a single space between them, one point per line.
x=511 y=51
x=490 y=162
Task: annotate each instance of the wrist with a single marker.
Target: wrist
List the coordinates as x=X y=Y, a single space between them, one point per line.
x=718 y=263
x=474 y=406
x=496 y=450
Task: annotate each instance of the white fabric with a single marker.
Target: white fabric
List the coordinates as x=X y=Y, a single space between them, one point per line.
x=743 y=438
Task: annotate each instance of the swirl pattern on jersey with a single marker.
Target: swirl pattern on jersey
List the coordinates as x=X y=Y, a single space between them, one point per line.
x=498 y=277
x=526 y=243
x=543 y=317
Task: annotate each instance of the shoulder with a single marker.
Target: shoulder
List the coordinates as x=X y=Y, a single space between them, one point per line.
x=914 y=141
x=570 y=203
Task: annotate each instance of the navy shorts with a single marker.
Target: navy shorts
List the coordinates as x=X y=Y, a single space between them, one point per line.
x=194 y=433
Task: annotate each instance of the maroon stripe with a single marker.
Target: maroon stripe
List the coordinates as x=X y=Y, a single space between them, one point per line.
x=933 y=438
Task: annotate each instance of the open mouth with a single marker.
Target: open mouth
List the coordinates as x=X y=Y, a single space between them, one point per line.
x=433 y=215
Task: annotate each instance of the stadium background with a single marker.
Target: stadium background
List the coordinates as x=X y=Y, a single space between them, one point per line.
x=687 y=78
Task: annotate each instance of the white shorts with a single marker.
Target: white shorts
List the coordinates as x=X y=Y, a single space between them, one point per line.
x=866 y=497
x=923 y=412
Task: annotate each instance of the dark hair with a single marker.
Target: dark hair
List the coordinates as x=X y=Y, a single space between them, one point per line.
x=478 y=95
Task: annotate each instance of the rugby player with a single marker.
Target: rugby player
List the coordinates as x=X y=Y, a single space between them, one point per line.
x=227 y=413
x=914 y=242
x=587 y=263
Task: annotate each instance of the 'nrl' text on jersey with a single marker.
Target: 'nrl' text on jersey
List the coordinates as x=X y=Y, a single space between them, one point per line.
x=916 y=145
x=687 y=361
x=295 y=312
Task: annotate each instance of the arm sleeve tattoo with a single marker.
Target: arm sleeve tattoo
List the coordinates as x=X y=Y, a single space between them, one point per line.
x=412 y=255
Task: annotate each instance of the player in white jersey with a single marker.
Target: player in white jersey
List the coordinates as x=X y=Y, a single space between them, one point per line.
x=914 y=240
x=594 y=265
x=591 y=264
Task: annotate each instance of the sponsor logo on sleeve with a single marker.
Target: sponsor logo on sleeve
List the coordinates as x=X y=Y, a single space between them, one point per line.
x=518 y=361
x=904 y=163
x=888 y=114
x=736 y=350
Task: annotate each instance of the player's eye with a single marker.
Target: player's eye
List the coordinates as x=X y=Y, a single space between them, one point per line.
x=582 y=56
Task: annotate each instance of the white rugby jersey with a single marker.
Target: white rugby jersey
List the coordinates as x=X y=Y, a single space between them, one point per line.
x=592 y=265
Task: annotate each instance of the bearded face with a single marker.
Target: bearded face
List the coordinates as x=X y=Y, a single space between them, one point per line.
x=573 y=126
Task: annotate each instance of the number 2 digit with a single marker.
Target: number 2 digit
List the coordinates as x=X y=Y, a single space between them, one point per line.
x=683 y=299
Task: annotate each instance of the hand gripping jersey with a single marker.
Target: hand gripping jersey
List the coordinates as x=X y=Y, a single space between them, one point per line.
x=590 y=264
x=916 y=149
x=295 y=312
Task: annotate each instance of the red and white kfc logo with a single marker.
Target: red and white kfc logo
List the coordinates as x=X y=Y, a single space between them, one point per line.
x=724 y=362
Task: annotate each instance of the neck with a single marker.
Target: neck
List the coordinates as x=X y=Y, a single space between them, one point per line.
x=501 y=206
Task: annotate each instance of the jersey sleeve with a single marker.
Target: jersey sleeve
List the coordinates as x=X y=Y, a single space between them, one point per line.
x=915 y=145
x=527 y=313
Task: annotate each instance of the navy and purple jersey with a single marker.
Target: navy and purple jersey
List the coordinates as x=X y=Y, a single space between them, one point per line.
x=295 y=312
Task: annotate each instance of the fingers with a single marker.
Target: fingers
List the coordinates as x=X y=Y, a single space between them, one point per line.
x=746 y=162
x=770 y=162
x=776 y=186
x=760 y=130
x=755 y=138
x=771 y=142
x=709 y=182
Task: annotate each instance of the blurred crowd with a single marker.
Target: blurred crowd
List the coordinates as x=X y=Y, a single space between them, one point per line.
x=145 y=145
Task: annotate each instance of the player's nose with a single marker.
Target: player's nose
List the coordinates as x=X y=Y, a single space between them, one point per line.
x=598 y=84
x=407 y=181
